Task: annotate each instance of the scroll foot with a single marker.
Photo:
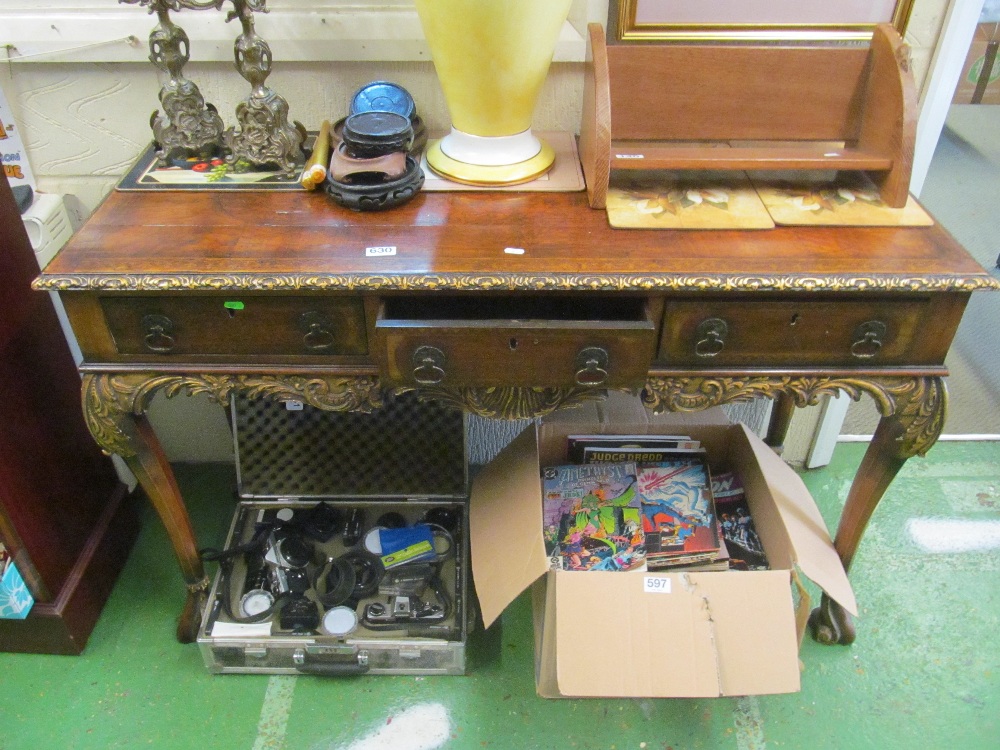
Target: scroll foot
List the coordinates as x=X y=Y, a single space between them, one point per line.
x=831 y=624
x=190 y=619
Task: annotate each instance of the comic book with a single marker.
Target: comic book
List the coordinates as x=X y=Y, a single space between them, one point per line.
x=745 y=548
x=720 y=562
x=591 y=516
x=591 y=449
x=678 y=514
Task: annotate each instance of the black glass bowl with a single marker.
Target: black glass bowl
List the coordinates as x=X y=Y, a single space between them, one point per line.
x=368 y=135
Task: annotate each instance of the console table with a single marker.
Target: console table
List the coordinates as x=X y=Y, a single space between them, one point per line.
x=508 y=304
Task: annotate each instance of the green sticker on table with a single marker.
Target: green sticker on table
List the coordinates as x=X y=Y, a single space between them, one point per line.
x=233 y=305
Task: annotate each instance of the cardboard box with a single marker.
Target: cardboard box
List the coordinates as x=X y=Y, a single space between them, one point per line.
x=980 y=79
x=641 y=634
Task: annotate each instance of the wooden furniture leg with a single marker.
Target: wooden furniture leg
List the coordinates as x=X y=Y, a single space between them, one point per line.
x=151 y=468
x=910 y=429
x=119 y=424
x=781 y=419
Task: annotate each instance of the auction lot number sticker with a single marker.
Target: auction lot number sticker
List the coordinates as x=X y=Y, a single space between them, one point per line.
x=656 y=585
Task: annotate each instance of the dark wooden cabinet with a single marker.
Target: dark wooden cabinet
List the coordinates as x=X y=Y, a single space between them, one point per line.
x=65 y=517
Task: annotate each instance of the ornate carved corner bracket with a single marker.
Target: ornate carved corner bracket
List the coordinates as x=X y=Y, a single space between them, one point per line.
x=916 y=404
x=110 y=400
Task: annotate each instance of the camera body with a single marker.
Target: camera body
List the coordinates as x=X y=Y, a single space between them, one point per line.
x=287 y=555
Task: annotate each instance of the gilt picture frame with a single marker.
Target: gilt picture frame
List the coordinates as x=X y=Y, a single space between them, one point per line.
x=752 y=21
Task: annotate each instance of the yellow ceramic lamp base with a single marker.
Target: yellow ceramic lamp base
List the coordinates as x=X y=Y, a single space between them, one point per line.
x=490 y=175
x=491 y=57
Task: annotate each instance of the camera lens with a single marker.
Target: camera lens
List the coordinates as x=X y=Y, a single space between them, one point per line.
x=353 y=529
x=299 y=615
x=322 y=522
x=340 y=621
x=444 y=517
x=373 y=541
x=391 y=520
x=294 y=551
x=256 y=602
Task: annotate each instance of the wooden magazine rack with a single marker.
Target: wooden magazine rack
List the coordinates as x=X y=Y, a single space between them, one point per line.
x=728 y=107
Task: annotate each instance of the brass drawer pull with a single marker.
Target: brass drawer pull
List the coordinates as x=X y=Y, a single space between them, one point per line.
x=592 y=366
x=157 y=330
x=868 y=338
x=318 y=336
x=710 y=337
x=428 y=365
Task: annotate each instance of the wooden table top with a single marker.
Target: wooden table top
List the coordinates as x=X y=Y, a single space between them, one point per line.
x=150 y=241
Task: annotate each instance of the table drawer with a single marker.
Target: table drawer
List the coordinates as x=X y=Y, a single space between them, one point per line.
x=519 y=341
x=801 y=331
x=218 y=326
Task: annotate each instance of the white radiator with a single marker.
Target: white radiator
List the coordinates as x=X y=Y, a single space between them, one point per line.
x=48 y=226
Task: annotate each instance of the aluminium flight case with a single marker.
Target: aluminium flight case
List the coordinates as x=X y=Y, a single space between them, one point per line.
x=302 y=472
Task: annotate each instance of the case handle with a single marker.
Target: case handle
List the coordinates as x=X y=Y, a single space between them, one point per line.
x=329 y=668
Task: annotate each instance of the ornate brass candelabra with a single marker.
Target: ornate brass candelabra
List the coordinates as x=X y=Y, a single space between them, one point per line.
x=264 y=135
x=187 y=125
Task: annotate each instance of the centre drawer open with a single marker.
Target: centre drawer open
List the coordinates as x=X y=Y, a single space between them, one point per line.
x=516 y=340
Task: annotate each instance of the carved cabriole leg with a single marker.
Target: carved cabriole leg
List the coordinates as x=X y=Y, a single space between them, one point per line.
x=151 y=468
x=781 y=419
x=913 y=412
x=910 y=428
x=114 y=407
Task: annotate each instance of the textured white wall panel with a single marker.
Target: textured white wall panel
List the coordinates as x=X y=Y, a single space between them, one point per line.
x=81 y=119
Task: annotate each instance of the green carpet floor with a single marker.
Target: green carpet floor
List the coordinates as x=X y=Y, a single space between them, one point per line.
x=924 y=672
